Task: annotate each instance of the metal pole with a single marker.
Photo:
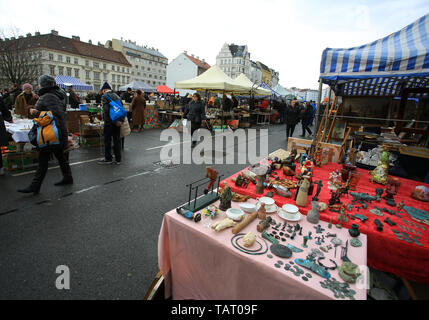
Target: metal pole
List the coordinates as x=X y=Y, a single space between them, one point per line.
x=319 y=97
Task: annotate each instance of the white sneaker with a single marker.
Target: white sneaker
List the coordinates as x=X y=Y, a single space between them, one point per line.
x=2 y=171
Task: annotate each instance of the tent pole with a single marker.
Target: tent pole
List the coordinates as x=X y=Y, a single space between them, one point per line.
x=319 y=97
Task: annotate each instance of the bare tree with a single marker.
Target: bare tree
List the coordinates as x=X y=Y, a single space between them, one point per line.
x=20 y=61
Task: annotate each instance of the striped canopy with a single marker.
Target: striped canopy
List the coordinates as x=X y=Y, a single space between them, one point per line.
x=383 y=67
x=263 y=85
x=64 y=81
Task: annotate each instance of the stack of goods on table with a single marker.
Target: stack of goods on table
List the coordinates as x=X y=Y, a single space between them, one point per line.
x=391 y=211
x=91 y=133
x=19 y=156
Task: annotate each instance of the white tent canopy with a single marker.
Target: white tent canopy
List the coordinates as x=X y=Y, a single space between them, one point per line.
x=245 y=82
x=282 y=91
x=214 y=79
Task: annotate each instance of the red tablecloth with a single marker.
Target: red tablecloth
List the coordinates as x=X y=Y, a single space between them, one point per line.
x=385 y=251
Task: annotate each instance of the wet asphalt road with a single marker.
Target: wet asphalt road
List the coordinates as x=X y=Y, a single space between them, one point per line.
x=104 y=227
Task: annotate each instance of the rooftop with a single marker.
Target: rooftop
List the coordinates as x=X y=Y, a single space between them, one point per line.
x=134 y=46
x=199 y=63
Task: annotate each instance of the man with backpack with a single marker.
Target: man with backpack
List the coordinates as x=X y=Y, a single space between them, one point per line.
x=112 y=130
x=52 y=100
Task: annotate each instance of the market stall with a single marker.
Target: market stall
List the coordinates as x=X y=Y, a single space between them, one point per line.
x=398 y=235
x=372 y=85
x=135 y=85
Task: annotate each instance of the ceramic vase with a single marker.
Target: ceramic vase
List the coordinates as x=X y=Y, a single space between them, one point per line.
x=301 y=199
x=313 y=216
x=354 y=231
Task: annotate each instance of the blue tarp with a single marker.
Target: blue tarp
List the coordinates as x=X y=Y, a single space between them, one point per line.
x=63 y=81
x=263 y=85
x=382 y=67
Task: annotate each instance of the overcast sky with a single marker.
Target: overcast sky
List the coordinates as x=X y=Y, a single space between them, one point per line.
x=288 y=36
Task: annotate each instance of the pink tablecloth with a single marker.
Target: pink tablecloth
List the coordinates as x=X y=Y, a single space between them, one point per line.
x=201 y=264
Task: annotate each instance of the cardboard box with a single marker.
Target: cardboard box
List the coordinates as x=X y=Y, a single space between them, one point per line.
x=333 y=150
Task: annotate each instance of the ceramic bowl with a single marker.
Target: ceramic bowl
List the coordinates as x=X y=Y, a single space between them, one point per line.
x=248 y=207
x=235 y=214
x=268 y=201
x=290 y=208
x=289 y=217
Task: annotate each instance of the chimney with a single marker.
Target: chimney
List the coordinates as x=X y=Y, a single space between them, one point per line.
x=37 y=33
x=28 y=35
x=13 y=38
x=20 y=37
x=90 y=41
x=54 y=32
x=192 y=56
x=76 y=38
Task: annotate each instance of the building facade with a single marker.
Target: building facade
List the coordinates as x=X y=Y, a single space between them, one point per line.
x=147 y=64
x=185 y=67
x=255 y=73
x=234 y=60
x=89 y=63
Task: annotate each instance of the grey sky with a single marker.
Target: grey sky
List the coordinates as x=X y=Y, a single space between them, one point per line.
x=288 y=36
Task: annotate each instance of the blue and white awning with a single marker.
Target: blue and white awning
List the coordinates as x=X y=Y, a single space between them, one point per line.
x=64 y=81
x=383 y=67
x=263 y=85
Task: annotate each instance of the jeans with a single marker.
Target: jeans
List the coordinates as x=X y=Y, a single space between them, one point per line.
x=44 y=156
x=112 y=132
x=305 y=127
x=194 y=127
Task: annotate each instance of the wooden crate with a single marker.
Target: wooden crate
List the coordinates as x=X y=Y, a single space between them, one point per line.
x=334 y=150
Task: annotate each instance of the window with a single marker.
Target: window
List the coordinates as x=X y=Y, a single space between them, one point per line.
x=137 y=66
x=68 y=59
x=113 y=77
x=123 y=79
x=113 y=67
x=104 y=66
x=60 y=58
x=51 y=57
x=61 y=71
x=76 y=61
x=145 y=75
x=105 y=76
x=150 y=76
x=143 y=68
x=52 y=70
x=148 y=69
x=96 y=75
x=87 y=75
x=138 y=73
x=96 y=65
x=86 y=63
x=69 y=72
x=76 y=73
x=123 y=69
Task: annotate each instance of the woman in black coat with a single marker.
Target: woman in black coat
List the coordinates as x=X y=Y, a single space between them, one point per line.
x=195 y=112
x=5 y=115
x=292 y=118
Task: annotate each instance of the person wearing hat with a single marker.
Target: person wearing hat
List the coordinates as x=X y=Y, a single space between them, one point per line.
x=53 y=99
x=112 y=131
x=25 y=101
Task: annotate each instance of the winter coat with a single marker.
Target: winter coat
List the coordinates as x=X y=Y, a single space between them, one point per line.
x=21 y=105
x=54 y=99
x=195 y=112
x=106 y=107
x=308 y=114
x=73 y=99
x=137 y=108
x=127 y=97
x=292 y=115
x=5 y=115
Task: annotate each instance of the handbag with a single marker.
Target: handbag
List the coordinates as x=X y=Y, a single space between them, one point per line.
x=125 y=128
x=117 y=112
x=32 y=135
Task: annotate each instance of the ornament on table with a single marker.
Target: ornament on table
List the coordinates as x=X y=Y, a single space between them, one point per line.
x=306 y=168
x=313 y=216
x=322 y=206
x=391 y=189
x=349 y=272
x=346 y=171
x=325 y=155
x=301 y=199
x=262 y=213
x=224 y=224
x=249 y=239
x=354 y=179
x=225 y=198
x=342 y=218
x=318 y=156
x=380 y=173
x=334 y=181
x=319 y=188
x=420 y=193
x=211 y=212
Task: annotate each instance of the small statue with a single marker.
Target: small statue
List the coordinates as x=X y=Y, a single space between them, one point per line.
x=212 y=175
x=330 y=224
x=379 y=174
x=342 y=218
x=225 y=198
x=378 y=192
x=224 y=224
x=305 y=242
x=391 y=189
x=319 y=188
x=401 y=205
x=262 y=213
x=318 y=156
x=334 y=181
x=249 y=239
x=306 y=168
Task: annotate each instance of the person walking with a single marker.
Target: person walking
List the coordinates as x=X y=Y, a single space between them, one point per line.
x=5 y=115
x=195 y=113
x=112 y=131
x=292 y=118
x=138 y=106
x=307 y=115
x=53 y=99
x=25 y=101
